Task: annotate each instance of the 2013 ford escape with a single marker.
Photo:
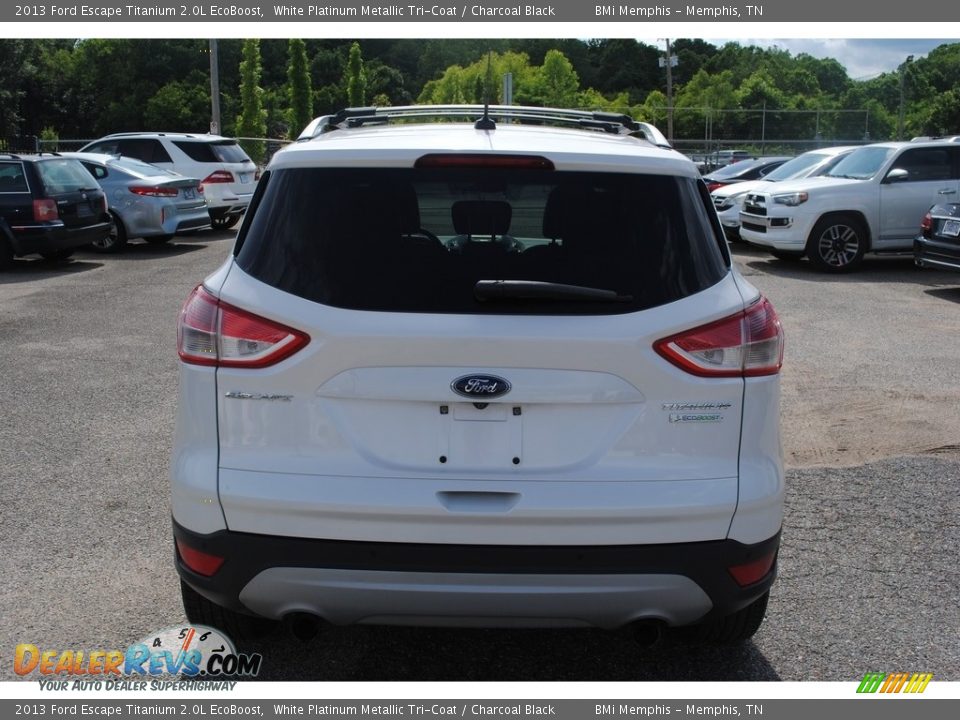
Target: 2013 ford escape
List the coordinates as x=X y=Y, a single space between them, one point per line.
x=496 y=373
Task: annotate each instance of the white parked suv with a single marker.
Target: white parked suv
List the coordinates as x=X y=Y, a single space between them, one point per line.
x=227 y=175
x=871 y=201
x=499 y=372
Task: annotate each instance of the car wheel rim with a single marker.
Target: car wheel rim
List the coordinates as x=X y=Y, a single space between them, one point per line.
x=110 y=240
x=839 y=245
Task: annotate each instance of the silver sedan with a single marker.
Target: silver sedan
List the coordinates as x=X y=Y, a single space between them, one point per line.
x=145 y=201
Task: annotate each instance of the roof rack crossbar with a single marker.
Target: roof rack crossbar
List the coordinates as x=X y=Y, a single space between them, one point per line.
x=607 y=121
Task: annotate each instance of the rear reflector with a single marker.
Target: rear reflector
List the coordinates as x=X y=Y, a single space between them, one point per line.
x=200 y=562
x=751 y=572
x=516 y=162
x=747 y=344
x=214 y=333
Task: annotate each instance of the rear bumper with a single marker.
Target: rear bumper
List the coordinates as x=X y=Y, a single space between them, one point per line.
x=348 y=582
x=936 y=255
x=46 y=237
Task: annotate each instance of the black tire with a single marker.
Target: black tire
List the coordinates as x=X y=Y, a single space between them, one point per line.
x=731 y=629
x=57 y=255
x=115 y=241
x=6 y=254
x=224 y=223
x=787 y=255
x=837 y=243
x=238 y=627
x=159 y=239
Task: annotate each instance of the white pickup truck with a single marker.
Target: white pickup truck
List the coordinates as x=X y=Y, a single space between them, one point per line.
x=871 y=201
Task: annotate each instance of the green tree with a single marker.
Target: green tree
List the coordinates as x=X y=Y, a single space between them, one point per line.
x=356 y=79
x=181 y=105
x=557 y=83
x=298 y=84
x=252 y=121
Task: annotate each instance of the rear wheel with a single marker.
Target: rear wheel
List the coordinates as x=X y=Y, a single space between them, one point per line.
x=159 y=239
x=115 y=241
x=732 y=629
x=240 y=628
x=224 y=223
x=57 y=255
x=837 y=243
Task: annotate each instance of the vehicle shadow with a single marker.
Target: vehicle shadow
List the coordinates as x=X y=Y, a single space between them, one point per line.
x=430 y=654
x=947 y=293
x=32 y=269
x=140 y=250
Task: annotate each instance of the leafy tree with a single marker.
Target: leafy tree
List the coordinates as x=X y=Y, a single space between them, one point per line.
x=356 y=79
x=180 y=105
x=252 y=121
x=298 y=82
x=557 y=83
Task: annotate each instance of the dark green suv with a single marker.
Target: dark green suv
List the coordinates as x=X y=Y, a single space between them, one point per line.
x=49 y=205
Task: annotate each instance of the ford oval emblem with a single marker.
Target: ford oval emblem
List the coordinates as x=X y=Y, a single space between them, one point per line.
x=480 y=386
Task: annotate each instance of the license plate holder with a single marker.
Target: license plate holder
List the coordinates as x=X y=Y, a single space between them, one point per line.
x=951 y=228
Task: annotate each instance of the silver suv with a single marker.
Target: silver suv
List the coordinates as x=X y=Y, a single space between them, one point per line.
x=499 y=372
x=227 y=175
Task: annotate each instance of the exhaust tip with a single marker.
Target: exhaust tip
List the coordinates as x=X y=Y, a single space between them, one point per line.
x=646 y=633
x=303 y=626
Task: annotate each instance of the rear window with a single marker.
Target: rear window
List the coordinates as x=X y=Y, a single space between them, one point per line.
x=65 y=176
x=146 y=149
x=421 y=240
x=211 y=152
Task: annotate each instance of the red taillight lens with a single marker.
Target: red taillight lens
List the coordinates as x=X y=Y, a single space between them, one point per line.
x=218 y=176
x=755 y=571
x=516 y=162
x=711 y=186
x=747 y=344
x=157 y=191
x=45 y=210
x=200 y=189
x=926 y=225
x=214 y=333
x=256 y=174
x=200 y=562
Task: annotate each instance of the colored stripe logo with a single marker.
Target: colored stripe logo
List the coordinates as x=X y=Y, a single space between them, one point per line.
x=894 y=682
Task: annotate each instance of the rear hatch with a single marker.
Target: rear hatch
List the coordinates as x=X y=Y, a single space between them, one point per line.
x=80 y=201
x=450 y=364
x=221 y=158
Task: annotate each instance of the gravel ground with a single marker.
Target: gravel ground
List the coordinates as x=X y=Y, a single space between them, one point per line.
x=868 y=576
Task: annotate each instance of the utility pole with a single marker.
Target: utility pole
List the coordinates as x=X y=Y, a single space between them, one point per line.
x=903 y=75
x=214 y=89
x=669 y=62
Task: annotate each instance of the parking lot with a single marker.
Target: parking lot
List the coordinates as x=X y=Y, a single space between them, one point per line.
x=871 y=431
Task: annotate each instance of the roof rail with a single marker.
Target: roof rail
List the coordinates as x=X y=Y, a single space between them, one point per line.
x=14 y=156
x=606 y=121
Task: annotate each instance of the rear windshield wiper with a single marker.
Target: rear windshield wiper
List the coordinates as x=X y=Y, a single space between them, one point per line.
x=486 y=290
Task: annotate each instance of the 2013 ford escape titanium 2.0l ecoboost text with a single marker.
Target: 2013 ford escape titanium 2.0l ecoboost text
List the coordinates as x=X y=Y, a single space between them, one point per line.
x=499 y=372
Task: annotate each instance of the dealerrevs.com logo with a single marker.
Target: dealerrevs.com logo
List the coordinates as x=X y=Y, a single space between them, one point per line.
x=192 y=651
x=910 y=683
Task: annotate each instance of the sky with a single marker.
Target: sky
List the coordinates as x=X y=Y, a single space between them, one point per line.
x=862 y=58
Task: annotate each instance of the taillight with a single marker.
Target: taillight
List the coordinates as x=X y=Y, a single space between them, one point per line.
x=711 y=186
x=153 y=191
x=218 y=176
x=926 y=225
x=45 y=210
x=747 y=344
x=256 y=174
x=211 y=332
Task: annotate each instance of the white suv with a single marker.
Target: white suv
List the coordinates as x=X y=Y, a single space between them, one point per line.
x=871 y=201
x=499 y=373
x=227 y=175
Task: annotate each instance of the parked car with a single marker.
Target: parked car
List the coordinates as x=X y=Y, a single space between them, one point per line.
x=728 y=199
x=481 y=373
x=49 y=205
x=145 y=201
x=228 y=175
x=938 y=245
x=743 y=171
x=868 y=202
x=722 y=158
